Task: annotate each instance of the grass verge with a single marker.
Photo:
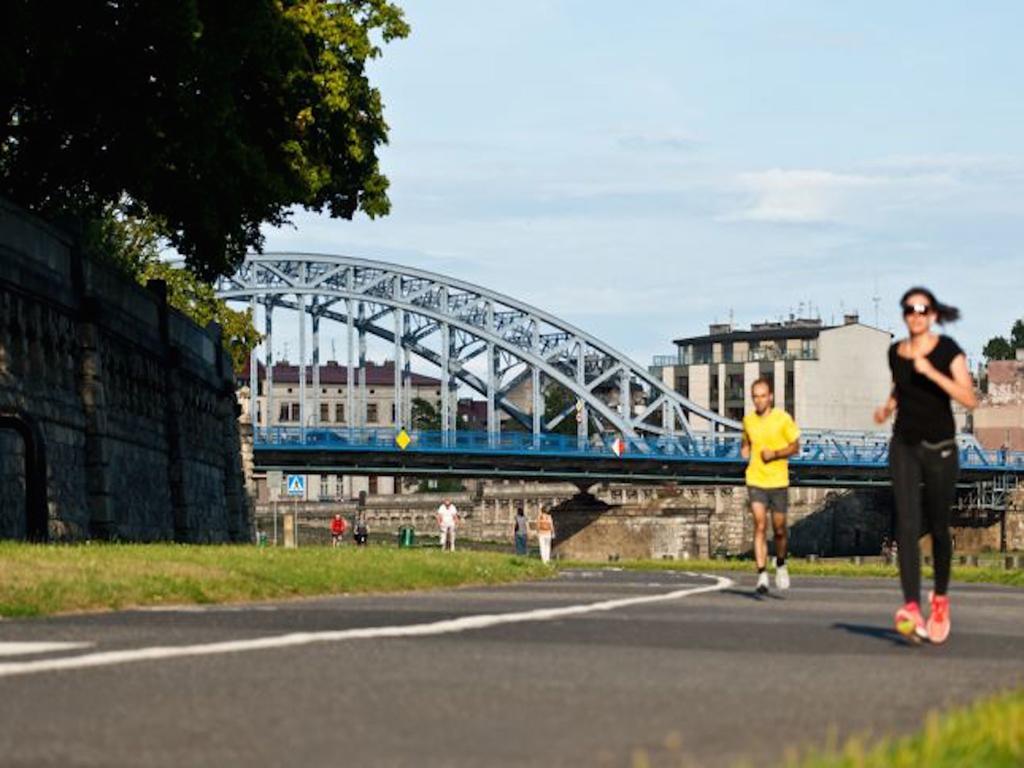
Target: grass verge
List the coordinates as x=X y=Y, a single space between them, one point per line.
x=987 y=733
x=963 y=573
x=38 y=580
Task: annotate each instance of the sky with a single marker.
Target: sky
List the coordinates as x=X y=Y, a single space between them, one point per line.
x=642 y=170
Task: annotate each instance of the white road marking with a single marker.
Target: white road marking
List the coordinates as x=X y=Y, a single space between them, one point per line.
x=448 y=626
x=25 y=649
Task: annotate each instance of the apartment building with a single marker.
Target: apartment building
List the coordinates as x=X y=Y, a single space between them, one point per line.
x=998 y=421
x=825 y=376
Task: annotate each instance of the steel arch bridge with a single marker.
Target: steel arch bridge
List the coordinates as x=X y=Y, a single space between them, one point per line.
x=460 y=328
x=493 y=343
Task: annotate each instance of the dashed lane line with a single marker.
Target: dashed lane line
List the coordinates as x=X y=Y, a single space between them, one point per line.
x=444 y=627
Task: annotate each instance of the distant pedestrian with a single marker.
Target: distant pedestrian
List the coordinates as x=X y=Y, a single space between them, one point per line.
x=338 y=527
x=447 y=521
x=545 y=533
x=928 y=372
x=770 y=437
x=520 y=530
x=361 y=534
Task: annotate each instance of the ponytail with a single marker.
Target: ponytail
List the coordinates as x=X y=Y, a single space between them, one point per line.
x=945 y=312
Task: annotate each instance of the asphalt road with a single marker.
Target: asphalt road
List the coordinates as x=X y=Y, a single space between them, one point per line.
x=703 y=678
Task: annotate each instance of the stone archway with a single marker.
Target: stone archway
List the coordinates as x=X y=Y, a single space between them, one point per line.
x=36 y=514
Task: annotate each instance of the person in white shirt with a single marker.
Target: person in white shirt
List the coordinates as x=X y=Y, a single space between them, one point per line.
x=545 y=533
x=447 y=519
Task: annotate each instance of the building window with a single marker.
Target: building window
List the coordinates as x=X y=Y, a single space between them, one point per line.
x=734 y=386
x=373 y=483
x=683 y=385
x=394 y=414
x=285 y=413
x=325 y=412
x=339 y=412
x=790 y=393
x=371 y=413
x=713 y=404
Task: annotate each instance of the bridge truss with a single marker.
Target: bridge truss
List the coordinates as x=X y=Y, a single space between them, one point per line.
x=487 y=341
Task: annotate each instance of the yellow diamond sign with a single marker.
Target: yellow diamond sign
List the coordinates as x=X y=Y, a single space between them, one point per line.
x=403 y=439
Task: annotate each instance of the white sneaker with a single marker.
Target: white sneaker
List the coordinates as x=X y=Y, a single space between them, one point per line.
x=782 y=577
x=762 y=583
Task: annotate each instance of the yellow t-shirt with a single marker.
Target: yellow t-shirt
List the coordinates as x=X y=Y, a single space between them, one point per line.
x=775 y=430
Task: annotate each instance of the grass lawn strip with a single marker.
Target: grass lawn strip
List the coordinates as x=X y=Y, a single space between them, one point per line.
x=43 y=580
x=963 y=573
x=988 y=733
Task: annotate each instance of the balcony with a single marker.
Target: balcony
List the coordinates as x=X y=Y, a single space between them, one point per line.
x=751 y=356
x=664 y=361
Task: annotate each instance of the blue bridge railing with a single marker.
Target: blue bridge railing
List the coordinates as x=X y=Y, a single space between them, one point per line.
x=817 y=447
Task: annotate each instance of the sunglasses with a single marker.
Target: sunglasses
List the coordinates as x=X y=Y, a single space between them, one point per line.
x=916 y=309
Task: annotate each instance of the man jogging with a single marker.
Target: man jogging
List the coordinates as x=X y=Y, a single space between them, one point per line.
x=770 y=437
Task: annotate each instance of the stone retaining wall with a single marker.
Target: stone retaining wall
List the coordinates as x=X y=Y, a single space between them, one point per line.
x=134 y=403
x=628 y=520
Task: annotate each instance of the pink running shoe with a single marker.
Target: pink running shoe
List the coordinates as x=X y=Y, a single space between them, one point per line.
x=938 y=621
x=910 y=622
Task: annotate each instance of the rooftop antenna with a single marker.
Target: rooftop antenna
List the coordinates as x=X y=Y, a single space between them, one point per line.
x=285 y=355
x=334 y=352
x=730 y=317
x=876 y=299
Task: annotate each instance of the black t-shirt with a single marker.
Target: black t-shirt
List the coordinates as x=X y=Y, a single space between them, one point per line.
x=923 y=409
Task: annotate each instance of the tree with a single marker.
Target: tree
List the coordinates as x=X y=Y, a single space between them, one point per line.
x=131 y=244
x=556 y=399
x=998 y=348
x=1017 y=335
x=214 y=117
x=425 y=415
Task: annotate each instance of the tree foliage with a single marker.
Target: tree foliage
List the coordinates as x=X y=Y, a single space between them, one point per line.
x=1017 y=335
x=131 y=244
x=1001 y=348
x=425 y=416
x=998 y=348
x=557 y=399
x=214 y=117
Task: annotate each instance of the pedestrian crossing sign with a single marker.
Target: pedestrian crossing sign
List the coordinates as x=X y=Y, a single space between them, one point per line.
x=403 y=439
x=296 y=485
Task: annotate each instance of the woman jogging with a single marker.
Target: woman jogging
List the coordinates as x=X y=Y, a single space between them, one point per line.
x=928 y=371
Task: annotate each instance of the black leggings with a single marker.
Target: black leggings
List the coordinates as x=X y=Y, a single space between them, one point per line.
x=937 y=467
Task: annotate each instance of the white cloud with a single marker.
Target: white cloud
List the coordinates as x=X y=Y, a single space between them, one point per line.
x=811 y=196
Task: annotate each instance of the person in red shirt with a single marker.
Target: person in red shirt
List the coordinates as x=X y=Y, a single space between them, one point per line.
x=338 y=526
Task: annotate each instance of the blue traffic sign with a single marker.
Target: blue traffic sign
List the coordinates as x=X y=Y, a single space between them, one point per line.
x=296 y=485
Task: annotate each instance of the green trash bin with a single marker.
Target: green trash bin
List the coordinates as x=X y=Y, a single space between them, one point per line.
x=406 y=536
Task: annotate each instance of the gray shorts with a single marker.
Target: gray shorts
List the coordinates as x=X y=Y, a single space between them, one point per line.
x=775 y=499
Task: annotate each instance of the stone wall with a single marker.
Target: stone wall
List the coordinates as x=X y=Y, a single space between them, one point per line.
x=133 y=402
x=622 y=520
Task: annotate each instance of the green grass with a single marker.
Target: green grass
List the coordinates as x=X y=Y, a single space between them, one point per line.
x=964 y=573
x=989 y=733
x=38 y=580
